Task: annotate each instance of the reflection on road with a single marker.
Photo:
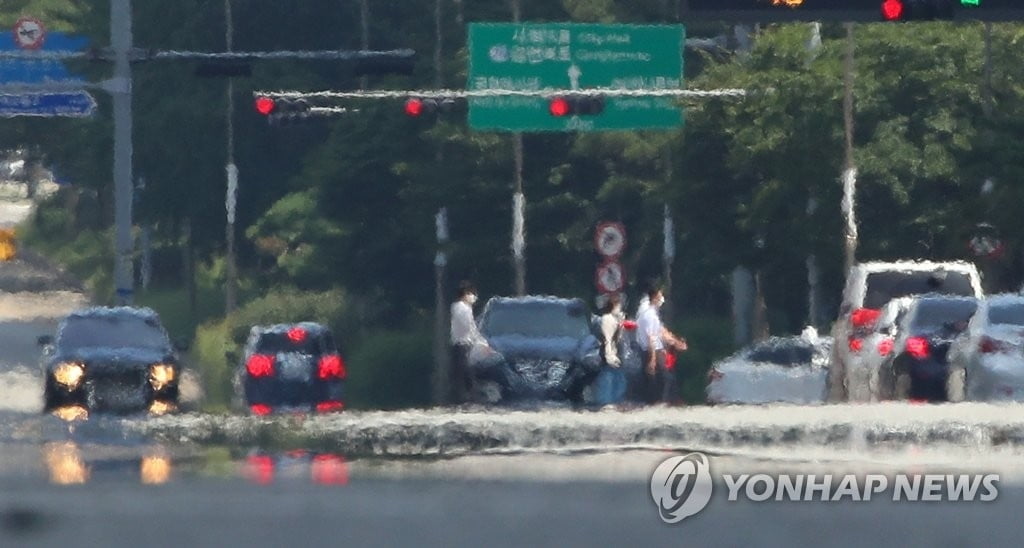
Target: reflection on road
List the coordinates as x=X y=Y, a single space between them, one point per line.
x=320 y=468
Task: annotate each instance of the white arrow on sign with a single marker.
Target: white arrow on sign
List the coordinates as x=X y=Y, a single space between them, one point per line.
x=574 y=77
x=610 y=277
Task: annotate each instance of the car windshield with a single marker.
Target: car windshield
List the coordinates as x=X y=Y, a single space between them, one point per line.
x=782 y=354
x=935 y=314
x=114 y=331
x=1006 y=314
x=275 y=342
x=536 y=319
x=882 y=287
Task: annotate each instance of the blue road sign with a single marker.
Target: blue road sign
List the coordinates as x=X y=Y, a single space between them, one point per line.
x=40 y=72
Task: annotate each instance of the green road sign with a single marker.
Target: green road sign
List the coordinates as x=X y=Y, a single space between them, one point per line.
x=564 y=56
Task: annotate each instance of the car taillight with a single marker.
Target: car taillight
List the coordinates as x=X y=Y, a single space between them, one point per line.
x=856 y=344
x=260 y=365
x=714 y=374
x=260 y=409
x=989 y=345
x=629 y=325
x=885 y=346
x=917 y=347
x=297 y=335
x=329 y=406
x=865 y=317
x=331 y=367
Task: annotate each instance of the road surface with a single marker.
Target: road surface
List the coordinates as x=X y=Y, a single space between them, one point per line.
x=184 y=481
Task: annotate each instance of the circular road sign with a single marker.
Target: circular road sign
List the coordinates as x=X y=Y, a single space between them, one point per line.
x=29 y=33
x=610 y=277
x=610 y=239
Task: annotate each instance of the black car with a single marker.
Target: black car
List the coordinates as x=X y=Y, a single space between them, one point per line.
x=543 y=349
x=291 y=367
x=111 y=359
x=919 y=366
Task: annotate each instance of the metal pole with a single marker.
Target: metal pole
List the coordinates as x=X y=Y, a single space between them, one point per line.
x=121 y=90
x=441 y=381
x=850 y=169
x=668 y=255
x=438 y=43
x=518 y=199
x=364 y=41
x=231 y=197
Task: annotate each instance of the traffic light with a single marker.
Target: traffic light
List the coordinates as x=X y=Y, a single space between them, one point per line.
x=282 y=112
x=920 y=10
x=576 y=105
x=419 y=107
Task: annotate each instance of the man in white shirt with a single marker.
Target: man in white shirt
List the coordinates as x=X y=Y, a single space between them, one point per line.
x=464 y=335
x=651 y=337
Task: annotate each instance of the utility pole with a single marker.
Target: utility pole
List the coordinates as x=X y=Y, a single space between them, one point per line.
x=849 y=169
x=120 y=87
x=231 y=199
x=518 y=199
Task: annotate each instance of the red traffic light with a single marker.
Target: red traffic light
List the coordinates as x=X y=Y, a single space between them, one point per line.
x=264 y=105
x=414 y=107
x=559 y=107
x=892 y=10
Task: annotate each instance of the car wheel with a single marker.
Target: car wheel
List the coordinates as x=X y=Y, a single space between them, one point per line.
x=901 y=389
x=956 y=385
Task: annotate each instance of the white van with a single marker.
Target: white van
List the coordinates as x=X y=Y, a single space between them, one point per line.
x=869 y=287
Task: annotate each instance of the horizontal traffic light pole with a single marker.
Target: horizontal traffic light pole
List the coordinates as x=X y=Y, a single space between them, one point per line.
x=769 y=11
x=470 y=94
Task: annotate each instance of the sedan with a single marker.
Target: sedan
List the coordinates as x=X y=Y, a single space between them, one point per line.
x=987 y=361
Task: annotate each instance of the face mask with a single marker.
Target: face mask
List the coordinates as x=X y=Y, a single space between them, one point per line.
x=471 y=299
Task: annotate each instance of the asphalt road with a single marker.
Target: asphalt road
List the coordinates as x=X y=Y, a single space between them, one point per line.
x=106 y=482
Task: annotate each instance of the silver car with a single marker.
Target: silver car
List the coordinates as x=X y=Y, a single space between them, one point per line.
x=987 y=360
x=780 y=369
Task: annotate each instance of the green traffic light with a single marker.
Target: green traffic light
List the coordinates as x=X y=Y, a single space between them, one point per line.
x=970 y=2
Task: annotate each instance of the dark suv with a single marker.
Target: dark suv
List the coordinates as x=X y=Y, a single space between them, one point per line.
x=543 y=350
x=111 y=359
x=291 y=367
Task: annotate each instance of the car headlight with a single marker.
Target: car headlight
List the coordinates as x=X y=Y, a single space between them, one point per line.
x=69 y=374
x=161 y=375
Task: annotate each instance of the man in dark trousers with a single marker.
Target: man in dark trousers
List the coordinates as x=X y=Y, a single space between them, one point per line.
x=464 y=335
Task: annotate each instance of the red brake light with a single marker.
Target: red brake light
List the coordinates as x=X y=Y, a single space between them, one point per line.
x=629 y=325
x=260 y=365
x=856 y=344
x=865 y=317
x=297 y=335
x=329 y=406
x=885 y=346
x=918 y=347
x=260 y=409
x=331 y=367
x=329 y=470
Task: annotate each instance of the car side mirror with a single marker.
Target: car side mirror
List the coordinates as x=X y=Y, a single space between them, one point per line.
x=44 y=340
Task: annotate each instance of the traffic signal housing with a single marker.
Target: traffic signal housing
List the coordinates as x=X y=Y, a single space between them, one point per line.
x=422 y=107
x=919 y=10
x=576 y=105
x=283 y=112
